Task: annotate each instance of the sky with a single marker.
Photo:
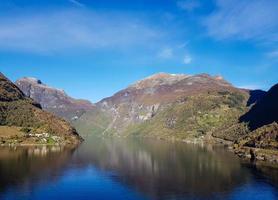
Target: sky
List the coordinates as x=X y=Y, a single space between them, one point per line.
x=94 y=48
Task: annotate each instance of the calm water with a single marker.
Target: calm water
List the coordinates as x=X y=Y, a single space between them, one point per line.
x=132 y=169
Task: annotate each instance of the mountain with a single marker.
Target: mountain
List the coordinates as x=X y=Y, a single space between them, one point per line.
x=53 y=100
x=23 y=121
x=168 y=106
x=261 y=142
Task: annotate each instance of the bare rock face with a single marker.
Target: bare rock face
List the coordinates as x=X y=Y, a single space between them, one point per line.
x=165 y=88
x=53 y=100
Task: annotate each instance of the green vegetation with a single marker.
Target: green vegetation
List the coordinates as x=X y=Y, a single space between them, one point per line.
x=95 y=122
x=199 y=115
x=50 y=141
x=265 y=137
x=26 y=130
x=8 y=91
x=213 y=113
x=18 y=113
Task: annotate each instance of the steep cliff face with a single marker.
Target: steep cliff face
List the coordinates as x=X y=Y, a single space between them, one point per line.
x=167 y=105
x=54 y=100
x=27 y=122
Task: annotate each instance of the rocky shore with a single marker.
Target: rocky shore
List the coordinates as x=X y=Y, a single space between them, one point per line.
x=259 y=145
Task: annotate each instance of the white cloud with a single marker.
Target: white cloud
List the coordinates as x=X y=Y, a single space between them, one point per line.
x=188 y=5
x=187 y=59
x=244 y=19
x=77 y=3
x=250 y=86
x=176 y=52
x=183 y=45
x=166 y=53
x=71 y=29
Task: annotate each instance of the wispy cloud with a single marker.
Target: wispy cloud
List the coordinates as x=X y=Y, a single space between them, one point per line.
x=77 y=3
x=188 y=5
x=176 y=53
x=183 y=45
x=70 y=29
x=250 y=86
x=244 y=19
x=187 y=59
x=166 y=53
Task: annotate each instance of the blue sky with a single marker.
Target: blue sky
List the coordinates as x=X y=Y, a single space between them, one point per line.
x=93 y=48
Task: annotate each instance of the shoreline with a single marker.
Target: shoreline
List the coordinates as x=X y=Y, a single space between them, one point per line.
x=65 y=143
x=256 y=156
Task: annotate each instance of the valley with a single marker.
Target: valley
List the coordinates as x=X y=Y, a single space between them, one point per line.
x=189 y=108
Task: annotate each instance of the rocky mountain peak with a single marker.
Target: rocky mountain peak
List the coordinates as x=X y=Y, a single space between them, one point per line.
x=31 y=80
x=165 y=79
x=159 y=79
x=218 y=77
x=36 y=83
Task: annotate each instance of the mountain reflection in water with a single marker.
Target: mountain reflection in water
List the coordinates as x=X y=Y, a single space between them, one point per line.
x=131 y=169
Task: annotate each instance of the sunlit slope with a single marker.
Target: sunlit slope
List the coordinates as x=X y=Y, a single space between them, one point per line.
x=167 y=106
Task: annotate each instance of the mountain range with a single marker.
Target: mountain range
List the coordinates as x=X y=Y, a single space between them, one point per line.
x=189 y=108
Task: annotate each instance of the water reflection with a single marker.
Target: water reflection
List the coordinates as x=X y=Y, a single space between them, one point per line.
x=159 y=169
x=24 y=167
x=131 y=169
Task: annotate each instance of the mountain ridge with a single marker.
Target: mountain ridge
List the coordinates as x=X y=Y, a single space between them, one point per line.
x=52 y=99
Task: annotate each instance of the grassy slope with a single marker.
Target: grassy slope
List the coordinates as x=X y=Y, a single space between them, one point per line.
x=7 y=131
x=23 y=114
x=92 y=122
x=198 y=116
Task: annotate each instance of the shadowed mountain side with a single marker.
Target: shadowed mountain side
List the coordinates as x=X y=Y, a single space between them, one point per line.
x=264 y=112
x=255 y=96
x=260 y=143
